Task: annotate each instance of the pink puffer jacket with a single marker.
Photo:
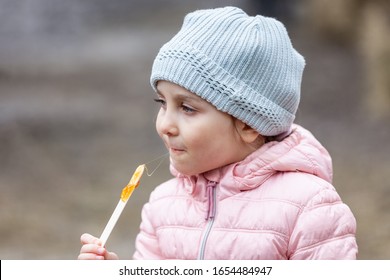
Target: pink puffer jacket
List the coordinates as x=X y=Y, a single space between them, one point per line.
x=278 y=203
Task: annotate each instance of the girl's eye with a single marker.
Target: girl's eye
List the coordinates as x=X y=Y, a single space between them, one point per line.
x=182 y=106
x=187 y=109
x=160 y=101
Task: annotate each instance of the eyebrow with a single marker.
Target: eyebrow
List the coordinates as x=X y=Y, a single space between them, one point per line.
x=184 y=96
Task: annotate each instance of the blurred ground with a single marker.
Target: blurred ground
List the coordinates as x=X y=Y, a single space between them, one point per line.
x=77 y=117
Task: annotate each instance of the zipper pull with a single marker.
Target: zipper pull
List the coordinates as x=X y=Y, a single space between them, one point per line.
x=210 y=187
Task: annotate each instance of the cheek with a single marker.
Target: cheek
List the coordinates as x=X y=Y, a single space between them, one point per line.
x=210 y=141
x=158 y=124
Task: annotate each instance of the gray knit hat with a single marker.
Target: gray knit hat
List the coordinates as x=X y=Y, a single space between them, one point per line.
x=245 y=66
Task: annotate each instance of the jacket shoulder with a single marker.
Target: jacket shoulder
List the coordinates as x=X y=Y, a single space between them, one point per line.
x=325 y=226
x=300 y=188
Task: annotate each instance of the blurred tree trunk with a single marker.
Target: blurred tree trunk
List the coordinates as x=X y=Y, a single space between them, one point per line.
x=364 y=25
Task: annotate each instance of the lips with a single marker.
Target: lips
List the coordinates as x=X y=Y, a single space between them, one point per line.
x=174 y=148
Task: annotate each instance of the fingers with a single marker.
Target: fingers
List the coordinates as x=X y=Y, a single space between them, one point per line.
x=92 y=249
x=87 y=238
x=89 y=256
x=92 y=252
x=110 y=256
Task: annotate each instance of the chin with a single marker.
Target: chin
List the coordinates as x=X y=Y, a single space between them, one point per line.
x=182 y=170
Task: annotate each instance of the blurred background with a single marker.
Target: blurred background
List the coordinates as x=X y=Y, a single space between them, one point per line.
x=77 y=112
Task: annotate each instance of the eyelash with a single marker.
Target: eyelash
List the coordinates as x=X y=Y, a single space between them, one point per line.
x=185 y=108
x=160 y=101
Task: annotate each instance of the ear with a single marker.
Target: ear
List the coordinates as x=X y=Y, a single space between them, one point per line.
x=247 y=133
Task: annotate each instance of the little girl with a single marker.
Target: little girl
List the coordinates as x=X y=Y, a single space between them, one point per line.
x=248 y=183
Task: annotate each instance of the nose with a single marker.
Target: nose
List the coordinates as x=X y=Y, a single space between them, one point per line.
x=166 y=123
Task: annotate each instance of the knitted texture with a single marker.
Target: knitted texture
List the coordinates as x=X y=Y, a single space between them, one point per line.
x=245 y=66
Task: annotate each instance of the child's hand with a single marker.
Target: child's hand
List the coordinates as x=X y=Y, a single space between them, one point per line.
x=92 y=249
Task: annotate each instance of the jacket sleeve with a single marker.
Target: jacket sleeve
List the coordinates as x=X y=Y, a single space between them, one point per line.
x=146 y=244
x=325 y=229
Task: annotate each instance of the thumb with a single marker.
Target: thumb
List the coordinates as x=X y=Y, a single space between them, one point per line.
x=110 y=256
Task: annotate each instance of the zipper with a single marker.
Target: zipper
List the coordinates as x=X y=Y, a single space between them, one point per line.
x=211 y=210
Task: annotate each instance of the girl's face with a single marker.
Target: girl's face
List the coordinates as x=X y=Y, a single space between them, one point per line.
x=198 y=136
